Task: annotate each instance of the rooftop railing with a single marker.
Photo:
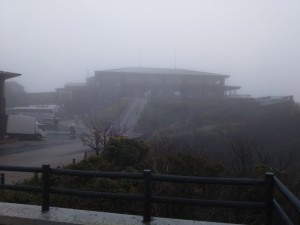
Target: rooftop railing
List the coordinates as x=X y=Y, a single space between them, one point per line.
x=269 y=205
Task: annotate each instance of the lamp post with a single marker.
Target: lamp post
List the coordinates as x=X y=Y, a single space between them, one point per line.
x=4 y=76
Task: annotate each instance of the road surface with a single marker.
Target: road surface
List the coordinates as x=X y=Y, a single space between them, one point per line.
x=59 y=149
x=55 y=155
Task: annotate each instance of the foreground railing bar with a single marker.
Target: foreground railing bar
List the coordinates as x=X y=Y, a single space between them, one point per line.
x=135 y=197
x=147 y=198
x=210 y=203
x=287 y=194
x=208 y=180
x=20 y=188
x=282 y=215
x=96 y=174
x=21 y=169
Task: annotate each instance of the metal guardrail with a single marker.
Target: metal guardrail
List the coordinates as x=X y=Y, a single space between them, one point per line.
x=269 y=204
x=291 y=198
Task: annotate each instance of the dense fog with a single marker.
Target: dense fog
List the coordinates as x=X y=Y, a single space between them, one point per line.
x=54 y=42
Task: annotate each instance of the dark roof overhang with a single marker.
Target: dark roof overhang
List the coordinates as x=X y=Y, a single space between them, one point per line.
x=8 y=75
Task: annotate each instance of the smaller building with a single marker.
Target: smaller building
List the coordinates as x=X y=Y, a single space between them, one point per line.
x=77 y=98
x=42 y=98
x=15 y=94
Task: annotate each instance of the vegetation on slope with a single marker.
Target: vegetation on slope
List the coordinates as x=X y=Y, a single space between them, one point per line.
x=212 y=129
x=123 y=154
x=193 y=138
x=162 y=113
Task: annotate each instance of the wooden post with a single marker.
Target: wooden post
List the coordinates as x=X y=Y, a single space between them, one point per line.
x=2 y=179
x=147 y=196
x=269 y=192
x=45 y=187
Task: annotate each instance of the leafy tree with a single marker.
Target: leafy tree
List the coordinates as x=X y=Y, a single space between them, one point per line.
x=124 y=152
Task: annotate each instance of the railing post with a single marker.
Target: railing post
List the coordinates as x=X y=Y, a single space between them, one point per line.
x=147 y=196
x=45 y=187
x=269 y=192
x=2 y=179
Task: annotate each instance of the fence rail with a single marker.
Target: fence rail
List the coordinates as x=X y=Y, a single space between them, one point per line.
x=269 y=205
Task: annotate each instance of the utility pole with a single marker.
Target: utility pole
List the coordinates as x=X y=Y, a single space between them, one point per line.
x=139 y=59
x=175 y=59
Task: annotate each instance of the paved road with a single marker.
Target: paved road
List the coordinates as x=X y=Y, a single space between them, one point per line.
x=37 y=155
x=59 y=149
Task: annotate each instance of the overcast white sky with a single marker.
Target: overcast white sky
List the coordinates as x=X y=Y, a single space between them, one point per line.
x=51 y=42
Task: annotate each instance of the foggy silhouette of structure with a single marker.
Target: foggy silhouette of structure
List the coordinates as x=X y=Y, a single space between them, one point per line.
x=15 y=94
x=4 y=76
x=138 y=82
x=108 y=86
x=76 y=97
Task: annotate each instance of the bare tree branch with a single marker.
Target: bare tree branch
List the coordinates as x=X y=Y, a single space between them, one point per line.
x=99 y=134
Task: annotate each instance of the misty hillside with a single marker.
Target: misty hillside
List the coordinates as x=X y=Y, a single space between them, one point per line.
x=190 y=114
x=216 y=126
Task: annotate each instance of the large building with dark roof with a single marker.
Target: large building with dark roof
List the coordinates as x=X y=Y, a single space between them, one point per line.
x=138 y=82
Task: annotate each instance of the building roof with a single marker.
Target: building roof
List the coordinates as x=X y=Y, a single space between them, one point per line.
x=163 y=71
x=7 y=75
x=75 y=84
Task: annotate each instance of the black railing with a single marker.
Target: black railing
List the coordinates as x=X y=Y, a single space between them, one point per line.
x=269 y=204
x=292 y=200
